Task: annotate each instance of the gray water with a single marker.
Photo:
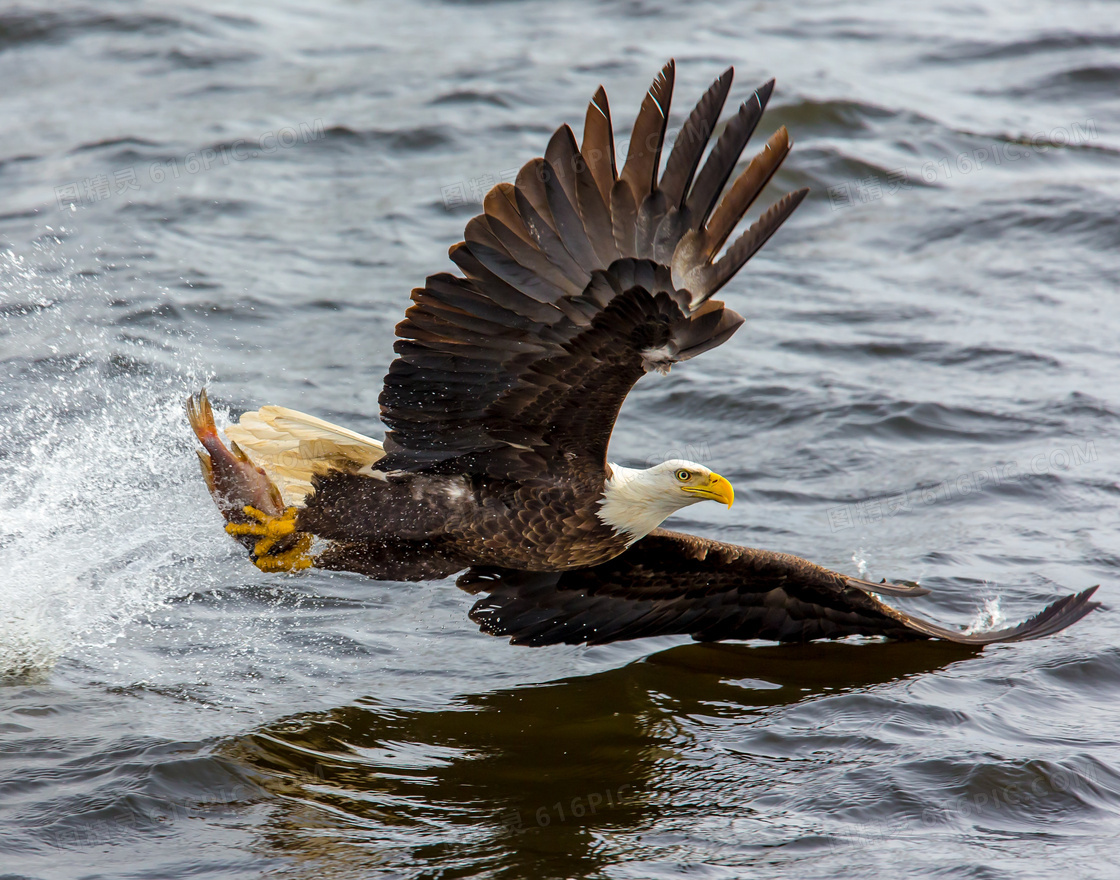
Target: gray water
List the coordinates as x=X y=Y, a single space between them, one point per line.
x=243 y=196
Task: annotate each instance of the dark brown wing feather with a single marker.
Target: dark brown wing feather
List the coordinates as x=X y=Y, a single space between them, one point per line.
x=674 y=584
x=578 y=279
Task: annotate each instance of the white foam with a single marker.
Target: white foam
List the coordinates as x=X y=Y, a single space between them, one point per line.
x=95 y=522
x=860 y=563
x=988 y=618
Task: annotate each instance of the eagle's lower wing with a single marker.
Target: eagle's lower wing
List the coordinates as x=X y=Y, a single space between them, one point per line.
x=578 y=279
x=675 y=584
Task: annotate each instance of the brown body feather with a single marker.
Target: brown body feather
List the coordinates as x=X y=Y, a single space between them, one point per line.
x=464 y=521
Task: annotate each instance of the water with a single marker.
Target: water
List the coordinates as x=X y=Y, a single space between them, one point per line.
x=925 y=388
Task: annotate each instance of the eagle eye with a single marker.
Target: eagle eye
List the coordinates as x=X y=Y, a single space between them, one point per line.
x=684 y=476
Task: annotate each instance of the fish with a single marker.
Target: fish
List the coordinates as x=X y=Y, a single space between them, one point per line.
x=235 y=483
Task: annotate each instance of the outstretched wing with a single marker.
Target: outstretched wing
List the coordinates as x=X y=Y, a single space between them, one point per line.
x=674 y=584
x=578 y=279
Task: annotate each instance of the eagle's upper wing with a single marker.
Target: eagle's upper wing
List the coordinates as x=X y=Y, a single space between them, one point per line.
x=674 y=584
x=578 y=279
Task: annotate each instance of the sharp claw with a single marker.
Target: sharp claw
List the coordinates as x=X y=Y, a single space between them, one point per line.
x=295 y=559
x=271 y=530
x=273 y=564
x=268 y=528
x=263 y=546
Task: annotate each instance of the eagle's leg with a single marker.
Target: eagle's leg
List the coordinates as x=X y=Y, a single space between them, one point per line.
x=273 y=530
x=295 y=559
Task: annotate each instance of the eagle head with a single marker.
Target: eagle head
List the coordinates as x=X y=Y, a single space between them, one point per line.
x=636 y=501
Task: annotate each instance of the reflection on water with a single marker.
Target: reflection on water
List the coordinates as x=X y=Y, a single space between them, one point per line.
x=534 y=781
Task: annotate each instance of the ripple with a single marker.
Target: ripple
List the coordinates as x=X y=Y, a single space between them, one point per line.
x=406 y=140
x=1076 y=82
x=18 y=28
x=470 y=97
x=1055 y=42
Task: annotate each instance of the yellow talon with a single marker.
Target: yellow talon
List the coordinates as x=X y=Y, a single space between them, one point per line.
x=270 y=530
x=295 y=559
x=257 y=528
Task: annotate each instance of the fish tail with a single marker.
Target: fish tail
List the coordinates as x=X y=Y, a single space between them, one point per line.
x=201 y=417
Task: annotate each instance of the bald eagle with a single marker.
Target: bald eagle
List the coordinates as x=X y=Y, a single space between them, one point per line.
x=576 y=281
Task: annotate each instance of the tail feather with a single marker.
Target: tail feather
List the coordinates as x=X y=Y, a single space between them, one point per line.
x=291 y=447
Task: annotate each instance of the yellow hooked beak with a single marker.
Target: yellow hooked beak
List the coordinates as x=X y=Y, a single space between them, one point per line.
x=717 y=489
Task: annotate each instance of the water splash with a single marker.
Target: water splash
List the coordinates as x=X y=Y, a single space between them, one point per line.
x=989 y=617
x=92 y=456
x=859 y=562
